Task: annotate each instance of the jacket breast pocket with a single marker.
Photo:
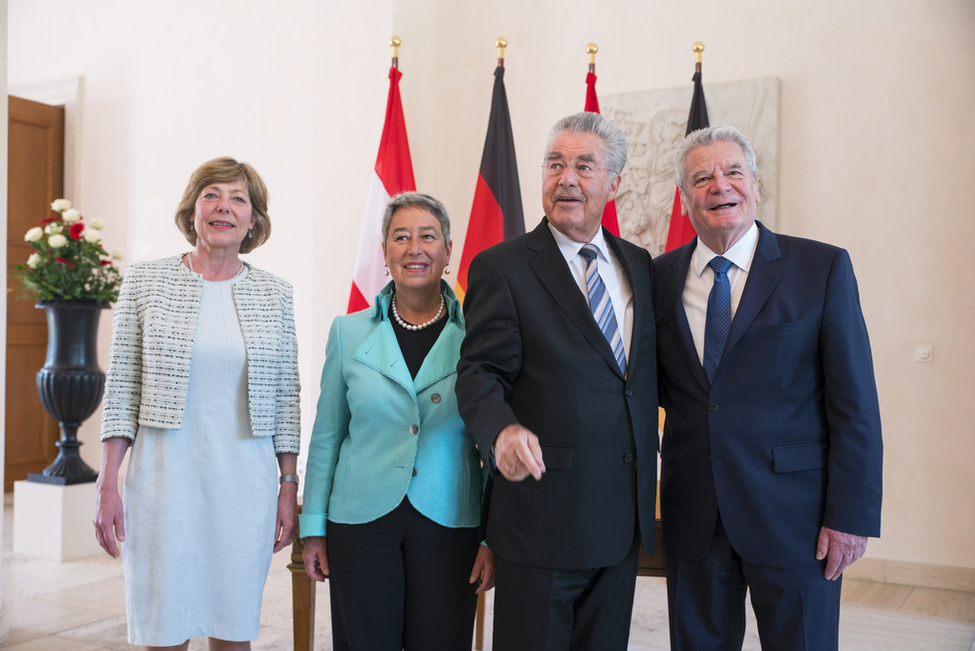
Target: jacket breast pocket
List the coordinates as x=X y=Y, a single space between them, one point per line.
x=780 y=330
x=796 y=458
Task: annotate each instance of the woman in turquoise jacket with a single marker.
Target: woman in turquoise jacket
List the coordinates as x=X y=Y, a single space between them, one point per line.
x=393 y=487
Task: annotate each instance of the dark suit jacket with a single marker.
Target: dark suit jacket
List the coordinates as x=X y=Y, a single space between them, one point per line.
x=534 y=355
x=787 y=437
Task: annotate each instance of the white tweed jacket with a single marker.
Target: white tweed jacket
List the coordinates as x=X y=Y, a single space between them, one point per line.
x=152 y=341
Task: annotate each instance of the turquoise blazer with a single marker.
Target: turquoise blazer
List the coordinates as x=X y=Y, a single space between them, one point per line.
x=380 y=435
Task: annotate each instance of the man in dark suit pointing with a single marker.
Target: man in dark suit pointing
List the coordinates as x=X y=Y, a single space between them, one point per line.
x=771 y=455
x=557 y=383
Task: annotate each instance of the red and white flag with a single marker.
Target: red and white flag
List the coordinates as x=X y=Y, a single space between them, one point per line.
x=592 y=106
x=392 y=175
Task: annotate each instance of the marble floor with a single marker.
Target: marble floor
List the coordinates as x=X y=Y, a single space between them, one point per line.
x=80 y=606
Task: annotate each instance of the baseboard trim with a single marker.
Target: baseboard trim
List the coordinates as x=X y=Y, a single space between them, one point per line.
x=920 y=575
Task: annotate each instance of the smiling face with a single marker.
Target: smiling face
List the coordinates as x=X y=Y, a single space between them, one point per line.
x=575 y=205
x=722 y=195
x=415 y=250
x=223 y=216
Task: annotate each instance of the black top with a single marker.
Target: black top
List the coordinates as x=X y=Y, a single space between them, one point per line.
x=415 y=344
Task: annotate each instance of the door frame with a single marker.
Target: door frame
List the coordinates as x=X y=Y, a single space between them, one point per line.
x=62 y=91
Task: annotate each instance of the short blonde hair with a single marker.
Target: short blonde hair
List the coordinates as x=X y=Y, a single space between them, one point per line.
x=226 y=170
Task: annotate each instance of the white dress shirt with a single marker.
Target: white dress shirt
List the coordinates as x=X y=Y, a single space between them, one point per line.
x=700 y=279
x=610 y=270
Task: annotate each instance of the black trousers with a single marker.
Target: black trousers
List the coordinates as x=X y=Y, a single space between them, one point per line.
x=796 y=609
x=546 y=609
x=401 y=582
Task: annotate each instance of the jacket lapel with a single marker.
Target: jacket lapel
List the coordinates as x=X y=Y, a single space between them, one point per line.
x=673 y=306
x=380 y=351
x=637 y=291
x=762 y=279
x=440 y=361
x=553 y=272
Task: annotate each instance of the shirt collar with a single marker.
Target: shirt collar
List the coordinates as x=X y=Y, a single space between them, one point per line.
x=740 y=254
x=570 y=248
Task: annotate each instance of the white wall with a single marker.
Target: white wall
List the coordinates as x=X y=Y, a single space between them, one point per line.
x=875 y=135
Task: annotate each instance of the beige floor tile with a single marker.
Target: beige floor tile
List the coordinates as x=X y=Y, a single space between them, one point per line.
x=50 y=643
x=869 y=629
x=885 y=596
x=942 y=603
x=30 y=618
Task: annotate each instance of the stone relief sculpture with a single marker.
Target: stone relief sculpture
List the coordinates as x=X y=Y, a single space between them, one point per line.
x=654 y=122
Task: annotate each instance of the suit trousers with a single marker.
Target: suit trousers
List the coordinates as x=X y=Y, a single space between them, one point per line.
x=546 y=609
x=401 y=582
x=796 y=609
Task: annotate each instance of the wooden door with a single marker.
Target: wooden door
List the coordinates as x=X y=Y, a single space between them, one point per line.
x=35 y=178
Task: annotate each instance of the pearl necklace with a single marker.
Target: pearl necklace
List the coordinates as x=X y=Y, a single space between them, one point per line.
x=189 y=261
x=409 y=326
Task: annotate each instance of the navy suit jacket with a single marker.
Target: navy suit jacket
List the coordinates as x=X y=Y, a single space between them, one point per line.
x=787 y=437
x=534 y=355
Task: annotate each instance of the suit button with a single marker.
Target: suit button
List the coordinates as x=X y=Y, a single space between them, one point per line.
x=628 y=458
x=712 y=408
x=435 y=398
x=414 y=472
x=629 y=392
x=414 y=429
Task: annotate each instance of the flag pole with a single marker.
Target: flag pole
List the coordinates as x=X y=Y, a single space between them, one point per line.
x=591 y=50
x=698 y=48
x=501 y=44
x=394 y=43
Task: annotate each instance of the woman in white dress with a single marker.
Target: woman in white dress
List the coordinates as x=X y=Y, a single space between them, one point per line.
x=203 y=386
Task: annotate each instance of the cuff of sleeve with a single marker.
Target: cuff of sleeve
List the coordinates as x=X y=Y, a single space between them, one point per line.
x=311 y=524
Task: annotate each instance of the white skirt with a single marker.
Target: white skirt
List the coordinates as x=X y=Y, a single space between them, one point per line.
x=200 y=502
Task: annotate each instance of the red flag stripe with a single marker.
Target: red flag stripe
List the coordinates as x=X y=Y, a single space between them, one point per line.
x=392 y=175
x=609 y=221
x=486 y=228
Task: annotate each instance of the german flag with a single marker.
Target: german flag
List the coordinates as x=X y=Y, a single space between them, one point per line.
x=681 y=232
x=496 y=214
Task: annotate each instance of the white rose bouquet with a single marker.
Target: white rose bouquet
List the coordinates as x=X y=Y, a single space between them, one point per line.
x=69 y=262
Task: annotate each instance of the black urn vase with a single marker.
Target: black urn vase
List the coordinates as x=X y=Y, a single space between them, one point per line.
x=70 y=384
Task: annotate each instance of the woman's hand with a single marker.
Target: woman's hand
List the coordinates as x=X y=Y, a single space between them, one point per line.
x=315 y=558
x=108 y=518
x=284 y=527
x=483 y=572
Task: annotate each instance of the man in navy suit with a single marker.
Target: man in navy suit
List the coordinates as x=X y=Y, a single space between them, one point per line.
x=557 y=384
x=772 y=452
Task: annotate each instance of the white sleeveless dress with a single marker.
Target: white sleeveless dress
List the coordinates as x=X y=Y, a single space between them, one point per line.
x=200 y=502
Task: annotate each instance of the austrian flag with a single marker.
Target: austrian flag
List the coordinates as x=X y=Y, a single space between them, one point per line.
x=392 y=175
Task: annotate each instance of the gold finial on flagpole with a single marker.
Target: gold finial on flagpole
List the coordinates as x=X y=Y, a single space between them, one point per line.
x=698 y=48
x=501 y=44
x=394 y=43
x=591 y=50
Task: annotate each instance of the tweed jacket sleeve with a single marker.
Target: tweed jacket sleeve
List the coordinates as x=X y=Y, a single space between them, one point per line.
x=123 y=387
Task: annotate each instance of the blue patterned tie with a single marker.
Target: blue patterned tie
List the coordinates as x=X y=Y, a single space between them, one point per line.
x=601 y=305
x=718 y=321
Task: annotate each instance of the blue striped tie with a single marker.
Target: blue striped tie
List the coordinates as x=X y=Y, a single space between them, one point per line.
x=601 y=305
x=717 y=324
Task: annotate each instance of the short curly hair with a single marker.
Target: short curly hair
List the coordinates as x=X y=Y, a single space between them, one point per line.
x=226 y=170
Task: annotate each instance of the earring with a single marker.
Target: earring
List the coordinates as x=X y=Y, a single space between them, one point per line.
x=250 y=232
x=446 y=270
x=191 y=225
x=386 y=273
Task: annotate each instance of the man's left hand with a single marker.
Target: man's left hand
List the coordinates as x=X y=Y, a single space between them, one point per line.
x=841 y=549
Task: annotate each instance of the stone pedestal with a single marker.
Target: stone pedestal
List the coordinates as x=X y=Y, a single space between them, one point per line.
x=54 y=522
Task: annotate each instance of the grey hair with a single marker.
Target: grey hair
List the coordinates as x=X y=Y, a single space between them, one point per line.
x=421 y=201
x=708 y=136
x=614 y=141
